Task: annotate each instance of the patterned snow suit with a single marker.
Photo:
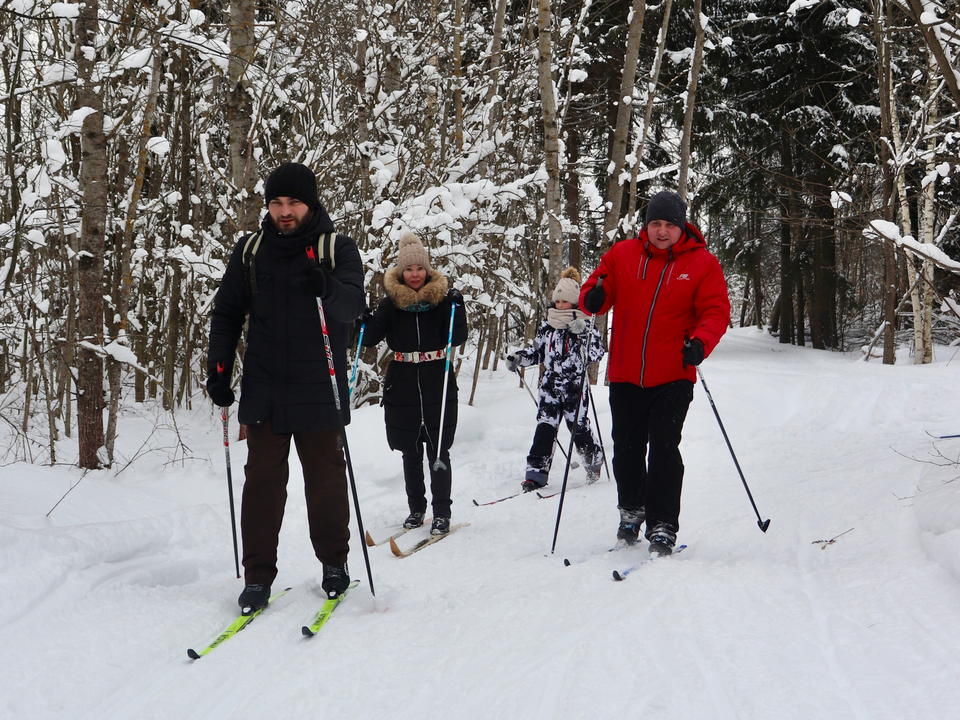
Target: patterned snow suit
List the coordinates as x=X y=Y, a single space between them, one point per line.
x=561 y=395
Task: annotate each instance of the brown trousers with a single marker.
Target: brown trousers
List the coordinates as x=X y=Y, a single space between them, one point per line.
x=265 y=495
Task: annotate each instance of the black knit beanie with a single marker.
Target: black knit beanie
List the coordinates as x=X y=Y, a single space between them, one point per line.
x=292 y=180
x=667 y=205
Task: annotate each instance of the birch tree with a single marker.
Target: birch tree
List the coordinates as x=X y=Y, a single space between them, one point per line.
x=700 y=29
x=618 y=146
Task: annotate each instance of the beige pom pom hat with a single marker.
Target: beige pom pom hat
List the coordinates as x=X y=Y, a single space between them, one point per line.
x=412 y=252
x=568 y=288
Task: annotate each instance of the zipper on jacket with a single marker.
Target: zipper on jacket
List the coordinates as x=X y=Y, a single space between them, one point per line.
x=423 y=415
x=642 y=266
x=653 y=304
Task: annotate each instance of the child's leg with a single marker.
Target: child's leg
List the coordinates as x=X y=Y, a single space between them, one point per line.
x=540 y=457
x=586 y=442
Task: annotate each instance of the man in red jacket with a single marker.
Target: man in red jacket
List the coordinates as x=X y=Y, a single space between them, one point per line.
x=670 y=310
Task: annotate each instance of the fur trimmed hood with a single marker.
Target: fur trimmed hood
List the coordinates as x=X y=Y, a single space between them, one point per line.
x=432 y=292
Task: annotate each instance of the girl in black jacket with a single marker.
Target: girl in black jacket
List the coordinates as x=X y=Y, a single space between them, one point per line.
x=414 y=318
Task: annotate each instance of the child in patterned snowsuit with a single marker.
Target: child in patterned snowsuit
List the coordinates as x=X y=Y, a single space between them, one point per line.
x=557 y=346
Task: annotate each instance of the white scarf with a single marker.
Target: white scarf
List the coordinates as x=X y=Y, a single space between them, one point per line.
x=560 y=319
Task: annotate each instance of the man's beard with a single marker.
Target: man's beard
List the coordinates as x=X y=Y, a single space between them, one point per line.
x=291 y=229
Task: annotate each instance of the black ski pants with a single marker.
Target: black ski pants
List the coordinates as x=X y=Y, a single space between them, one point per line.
x=265 y=495
x=647 y=423
x=441 y=478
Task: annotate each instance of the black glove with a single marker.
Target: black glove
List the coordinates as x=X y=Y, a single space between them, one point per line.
x=454 y=295
x=693 y=352
x=577 y=326
x=513 y=362
x=314 y=281
x=218 y=383
x=364 y=319
x=594 y=298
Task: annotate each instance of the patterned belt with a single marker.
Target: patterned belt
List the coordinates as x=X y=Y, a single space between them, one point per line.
x=419 y=357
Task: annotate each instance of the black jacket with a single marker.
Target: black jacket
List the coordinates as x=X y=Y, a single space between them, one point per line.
x=416 y=321
x=286 y=374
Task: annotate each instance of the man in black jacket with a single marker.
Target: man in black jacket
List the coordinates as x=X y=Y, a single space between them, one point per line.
x=286 y=389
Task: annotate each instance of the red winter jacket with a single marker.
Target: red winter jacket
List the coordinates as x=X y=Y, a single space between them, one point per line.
x=659 y=297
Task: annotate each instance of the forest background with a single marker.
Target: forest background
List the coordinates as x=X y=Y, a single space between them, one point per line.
x=815 y=142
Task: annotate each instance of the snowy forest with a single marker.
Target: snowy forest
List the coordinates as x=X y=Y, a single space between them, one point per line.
x=815 y=142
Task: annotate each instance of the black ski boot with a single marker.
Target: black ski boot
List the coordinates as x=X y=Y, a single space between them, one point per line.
x=534 y=480
x=441 y=526
x=414 y=520
x=662 y=539
x=254 y=597
x=336 y=580
x=630 y=521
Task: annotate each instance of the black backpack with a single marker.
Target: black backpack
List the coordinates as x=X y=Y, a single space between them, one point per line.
x=250 y=247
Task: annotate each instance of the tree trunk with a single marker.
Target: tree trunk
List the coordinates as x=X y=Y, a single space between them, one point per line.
x=803 y=286
x=881 y=21
x=906 y=229
x=924 y=352
x=243 y=167
x=573 y=193
x=647 y=116
x=551 y=143
x=825 y=266
x=93 y=181
x=701 y=31
x=787 y=208
x=172 y=335
x=458 y=73
x=618 y=148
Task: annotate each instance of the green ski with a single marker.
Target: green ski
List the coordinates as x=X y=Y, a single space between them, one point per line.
x=239 y=624
x=325 y=612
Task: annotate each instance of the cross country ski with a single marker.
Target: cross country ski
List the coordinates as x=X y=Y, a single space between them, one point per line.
x=395 y=549
x=236 y=626
x=326 y=610
x=619 y=576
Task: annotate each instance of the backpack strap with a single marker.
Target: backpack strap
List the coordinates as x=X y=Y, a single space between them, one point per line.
x=325 y=251
x=250 y=248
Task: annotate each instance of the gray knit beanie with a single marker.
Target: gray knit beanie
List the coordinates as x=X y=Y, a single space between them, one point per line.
x=667 y=205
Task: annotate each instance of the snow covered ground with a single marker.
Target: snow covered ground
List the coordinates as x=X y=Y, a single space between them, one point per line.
x=100 y=600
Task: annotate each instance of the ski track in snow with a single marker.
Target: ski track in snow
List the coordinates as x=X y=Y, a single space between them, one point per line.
x=99 y=602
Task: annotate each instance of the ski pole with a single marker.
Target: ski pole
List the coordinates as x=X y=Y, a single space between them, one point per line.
x=438 y=464
x=343 y=428
x=764 y=524
x=596 y=421
x=224 y=418
x=573 y=433
x=947 y=437
x=556 y=438
x=356 y=361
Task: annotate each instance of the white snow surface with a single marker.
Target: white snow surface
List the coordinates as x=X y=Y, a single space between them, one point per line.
x=100 y=600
